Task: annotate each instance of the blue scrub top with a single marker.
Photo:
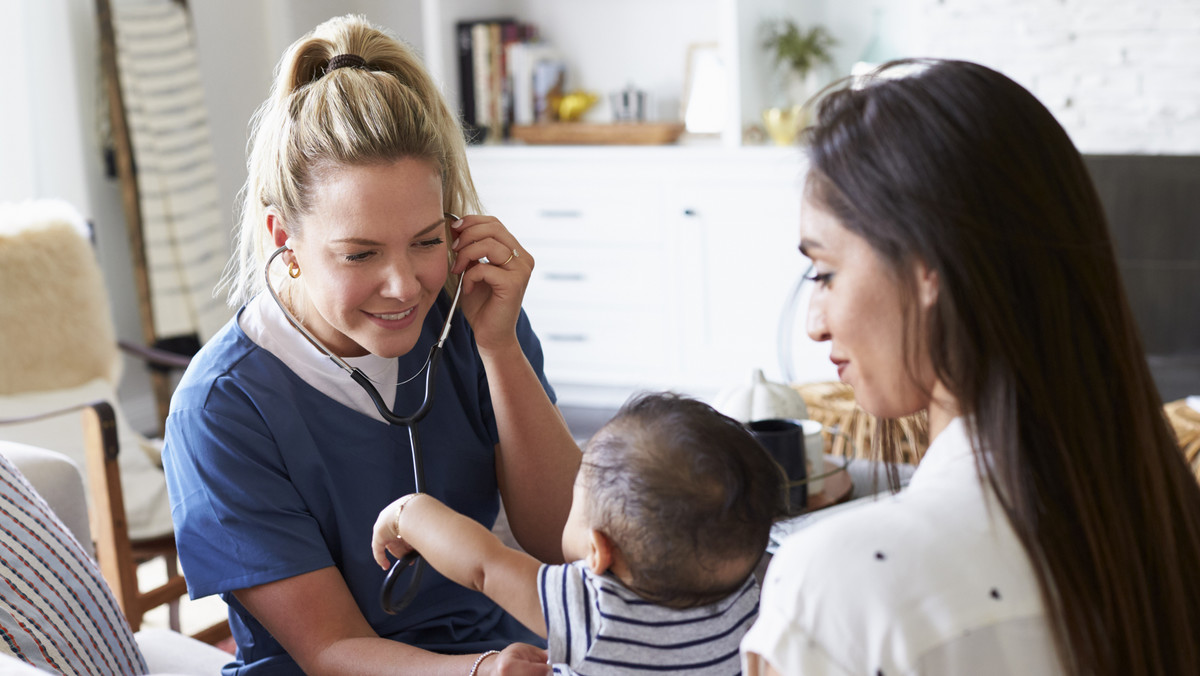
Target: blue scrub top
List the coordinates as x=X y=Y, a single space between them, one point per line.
x=270 y=478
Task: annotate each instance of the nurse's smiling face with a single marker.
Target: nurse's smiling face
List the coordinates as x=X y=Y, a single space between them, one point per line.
x=372 y=255
x=858 y=307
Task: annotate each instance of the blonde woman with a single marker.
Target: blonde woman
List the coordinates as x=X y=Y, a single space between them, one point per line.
x=277 y=462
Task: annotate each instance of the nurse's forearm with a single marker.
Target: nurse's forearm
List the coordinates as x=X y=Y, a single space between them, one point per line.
x=536 y=459
x=314 y=618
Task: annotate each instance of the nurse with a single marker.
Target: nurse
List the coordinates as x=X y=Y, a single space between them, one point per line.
x=277 y=462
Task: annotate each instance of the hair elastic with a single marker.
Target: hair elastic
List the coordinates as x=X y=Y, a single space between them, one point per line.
x=345 y=61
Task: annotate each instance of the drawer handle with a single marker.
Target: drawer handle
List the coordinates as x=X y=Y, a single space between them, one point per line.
x=565 y=276
x=567 y=337
x=560 y=213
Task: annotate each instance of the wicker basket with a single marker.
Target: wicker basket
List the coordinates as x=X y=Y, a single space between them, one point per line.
x=832 y=404
x=1186 y=422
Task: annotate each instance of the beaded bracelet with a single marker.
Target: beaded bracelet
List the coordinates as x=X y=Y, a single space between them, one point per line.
x=401 y=504
x=479 y=660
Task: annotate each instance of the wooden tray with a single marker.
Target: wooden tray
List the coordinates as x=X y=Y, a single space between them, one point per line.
x=583 y=133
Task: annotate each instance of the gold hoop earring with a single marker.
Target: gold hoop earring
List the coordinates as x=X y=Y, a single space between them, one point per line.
x=293 y=270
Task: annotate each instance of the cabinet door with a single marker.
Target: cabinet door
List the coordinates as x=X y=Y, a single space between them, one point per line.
x=738 y=280
x=600 y=294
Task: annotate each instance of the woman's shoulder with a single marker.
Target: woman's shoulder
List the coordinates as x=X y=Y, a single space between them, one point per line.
x=844 y=554
x=905 y=573
x=229 y=359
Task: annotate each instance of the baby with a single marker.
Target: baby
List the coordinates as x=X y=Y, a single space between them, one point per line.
x=672 y=509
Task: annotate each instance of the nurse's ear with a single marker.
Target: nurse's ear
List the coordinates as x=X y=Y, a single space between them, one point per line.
x=279 y=234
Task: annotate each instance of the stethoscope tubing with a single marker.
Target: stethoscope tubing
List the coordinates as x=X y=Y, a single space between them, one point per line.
x=409 y=421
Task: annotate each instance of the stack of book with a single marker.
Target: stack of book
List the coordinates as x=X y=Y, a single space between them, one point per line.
x=506 y=76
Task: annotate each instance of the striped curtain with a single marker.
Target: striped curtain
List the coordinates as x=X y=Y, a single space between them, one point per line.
x=183 y=230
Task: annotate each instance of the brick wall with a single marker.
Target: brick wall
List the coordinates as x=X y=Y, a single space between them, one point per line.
x=1122 y=76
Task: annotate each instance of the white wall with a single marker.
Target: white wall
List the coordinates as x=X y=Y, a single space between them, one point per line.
x=16 y=148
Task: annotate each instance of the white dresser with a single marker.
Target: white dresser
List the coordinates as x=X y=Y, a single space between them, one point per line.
x=656 y=267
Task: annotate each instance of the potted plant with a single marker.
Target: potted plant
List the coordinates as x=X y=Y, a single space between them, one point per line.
x=796 y=51
x=797 y=54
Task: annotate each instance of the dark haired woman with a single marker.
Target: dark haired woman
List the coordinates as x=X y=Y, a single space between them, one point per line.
x=963 y=265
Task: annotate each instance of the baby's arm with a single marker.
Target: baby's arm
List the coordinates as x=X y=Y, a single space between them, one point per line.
x=462 y=550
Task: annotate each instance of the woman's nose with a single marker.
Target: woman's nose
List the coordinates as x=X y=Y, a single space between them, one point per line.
x=400 y=280
x=814 y=323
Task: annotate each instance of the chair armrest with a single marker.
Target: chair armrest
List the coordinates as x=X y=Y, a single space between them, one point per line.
x=155 y=357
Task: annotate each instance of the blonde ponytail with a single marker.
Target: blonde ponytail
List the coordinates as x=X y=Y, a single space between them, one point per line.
x=384 y=110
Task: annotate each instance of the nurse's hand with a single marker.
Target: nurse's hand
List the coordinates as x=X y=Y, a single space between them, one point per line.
x=492 y=292
x=518 y=659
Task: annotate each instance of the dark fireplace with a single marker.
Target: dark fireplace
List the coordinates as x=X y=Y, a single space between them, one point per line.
x=1152 y=206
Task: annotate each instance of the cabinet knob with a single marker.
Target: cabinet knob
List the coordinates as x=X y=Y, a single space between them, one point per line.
x=689 y=212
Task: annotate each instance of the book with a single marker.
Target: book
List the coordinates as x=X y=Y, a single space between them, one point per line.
x=486 y=86
x=466 y=73
x=523 y=60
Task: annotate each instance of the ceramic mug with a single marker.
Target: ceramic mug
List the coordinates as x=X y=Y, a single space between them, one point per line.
x=784 y=440
x=814 y=453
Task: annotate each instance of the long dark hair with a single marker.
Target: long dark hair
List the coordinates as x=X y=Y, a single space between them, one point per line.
x=962 y=169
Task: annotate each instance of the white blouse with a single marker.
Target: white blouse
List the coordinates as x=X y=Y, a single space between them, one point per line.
x=932 y=580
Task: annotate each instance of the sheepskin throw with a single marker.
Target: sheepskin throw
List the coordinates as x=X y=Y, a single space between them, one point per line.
x=55 y=328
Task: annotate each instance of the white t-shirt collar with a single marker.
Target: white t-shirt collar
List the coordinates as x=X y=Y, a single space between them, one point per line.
x=265 y=324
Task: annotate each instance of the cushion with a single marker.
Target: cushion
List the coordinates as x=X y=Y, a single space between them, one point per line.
x=143 y=486
x=56 y=612
x=60 y=483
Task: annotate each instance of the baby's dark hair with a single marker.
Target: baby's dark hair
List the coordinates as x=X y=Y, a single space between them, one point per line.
x=685 y=493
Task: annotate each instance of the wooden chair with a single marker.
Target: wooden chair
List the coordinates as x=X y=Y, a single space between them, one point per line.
x=118 y=556
x=61 y=354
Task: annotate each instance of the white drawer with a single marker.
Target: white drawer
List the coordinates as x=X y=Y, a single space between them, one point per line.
x=629 y=347
x=618 y=213
x=599 y=276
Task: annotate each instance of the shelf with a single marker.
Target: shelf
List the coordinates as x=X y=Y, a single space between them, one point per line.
x=649 y=57
x=581 y=133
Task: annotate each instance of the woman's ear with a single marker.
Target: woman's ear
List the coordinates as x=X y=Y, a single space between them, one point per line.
x=927 y=285
x=279 y=234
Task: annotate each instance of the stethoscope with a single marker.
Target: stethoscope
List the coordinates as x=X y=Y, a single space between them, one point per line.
x=409 y=421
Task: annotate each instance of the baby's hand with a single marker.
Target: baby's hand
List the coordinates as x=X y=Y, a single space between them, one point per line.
x=386 y=537
x=518 y=659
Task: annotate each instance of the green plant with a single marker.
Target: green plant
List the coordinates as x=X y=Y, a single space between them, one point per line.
x=797 y=49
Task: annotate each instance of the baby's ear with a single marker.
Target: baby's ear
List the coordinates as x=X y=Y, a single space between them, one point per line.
x=600 y=552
